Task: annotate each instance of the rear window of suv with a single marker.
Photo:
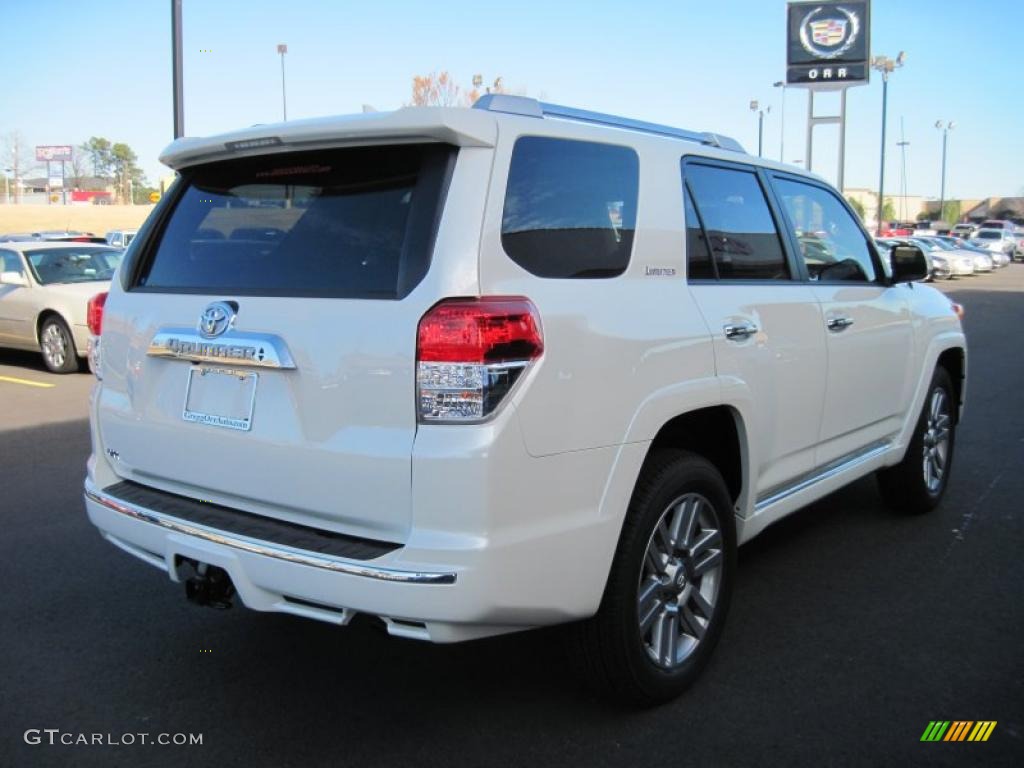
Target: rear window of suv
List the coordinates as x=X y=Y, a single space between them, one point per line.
x=570 y=207
x=344 y=223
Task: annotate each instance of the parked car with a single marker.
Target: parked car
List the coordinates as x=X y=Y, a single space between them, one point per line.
x=963 y=230
x=44 y=291
x=960 y=263
x=120 y=238
x=997 y=240
x=998 y=259
x=982 y=259
x=1019 y=251
x=505 y=367
x=998 y=224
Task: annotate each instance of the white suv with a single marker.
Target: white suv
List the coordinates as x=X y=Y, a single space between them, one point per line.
x=472 y=371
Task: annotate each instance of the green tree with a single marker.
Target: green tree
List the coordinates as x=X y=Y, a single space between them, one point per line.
x=127 y=174
x=99 y=151
x=951 y=212
x=857 y=206
x=888 y=210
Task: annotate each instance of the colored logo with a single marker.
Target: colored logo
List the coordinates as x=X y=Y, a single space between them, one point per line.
x=958 y=730
x=829 y=37
x=829 y=32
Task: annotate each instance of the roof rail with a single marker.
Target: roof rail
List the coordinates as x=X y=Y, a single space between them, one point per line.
x=527 y=107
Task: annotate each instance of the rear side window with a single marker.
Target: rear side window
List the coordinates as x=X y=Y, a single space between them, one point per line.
x=347 y=223
x=737 y=223
x=570 y=207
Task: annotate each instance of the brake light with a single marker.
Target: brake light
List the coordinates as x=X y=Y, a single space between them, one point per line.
x=469 y=354
x=94 y=313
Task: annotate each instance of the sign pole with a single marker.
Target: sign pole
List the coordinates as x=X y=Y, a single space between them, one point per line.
x=48 y=182
x=63 y=185
x=842 y=141
x=828 y=48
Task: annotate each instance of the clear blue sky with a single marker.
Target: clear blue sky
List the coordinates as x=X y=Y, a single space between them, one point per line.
x=75 y=69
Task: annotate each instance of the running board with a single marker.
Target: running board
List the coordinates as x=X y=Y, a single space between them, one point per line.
x=830 y=470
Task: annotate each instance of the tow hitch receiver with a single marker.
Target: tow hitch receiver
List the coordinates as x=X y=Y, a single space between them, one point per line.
x=209 y=586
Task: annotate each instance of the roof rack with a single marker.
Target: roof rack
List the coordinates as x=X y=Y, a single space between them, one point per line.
x=527 y=107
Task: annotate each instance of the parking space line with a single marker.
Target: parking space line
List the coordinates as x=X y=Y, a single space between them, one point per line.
x=27 y=382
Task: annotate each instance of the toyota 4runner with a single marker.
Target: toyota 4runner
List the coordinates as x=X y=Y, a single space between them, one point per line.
x=472 y=371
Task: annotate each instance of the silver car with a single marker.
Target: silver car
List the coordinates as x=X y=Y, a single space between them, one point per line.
x=996 y=240
x=982 y=259
x=960 y=263
x=44 y=294
x=999 y=259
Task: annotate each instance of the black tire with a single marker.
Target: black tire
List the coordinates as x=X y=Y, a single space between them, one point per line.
x=57 y=346
x=903 y=486
x=610 y=650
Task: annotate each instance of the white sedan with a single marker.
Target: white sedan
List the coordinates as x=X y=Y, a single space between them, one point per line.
x=45 y=289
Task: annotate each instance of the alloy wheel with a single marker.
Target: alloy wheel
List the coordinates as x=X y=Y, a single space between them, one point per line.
x=55 y=345
x=680 y=580
x=936 y=440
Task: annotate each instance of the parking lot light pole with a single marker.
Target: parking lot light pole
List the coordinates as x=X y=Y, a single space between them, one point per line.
x=782 y=119
x=945 y=128
x=282 y=48
x=886 y=66
x=177 y=96
x=755 y=106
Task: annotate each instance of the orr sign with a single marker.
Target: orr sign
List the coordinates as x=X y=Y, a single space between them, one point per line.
x=828 y=43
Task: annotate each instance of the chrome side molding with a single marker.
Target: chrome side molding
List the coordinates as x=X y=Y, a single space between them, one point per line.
x=837 y=467
x=234 y=348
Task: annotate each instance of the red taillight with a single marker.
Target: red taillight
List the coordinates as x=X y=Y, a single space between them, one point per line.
x=94 y=313
x=470 y=352
x=492 y=329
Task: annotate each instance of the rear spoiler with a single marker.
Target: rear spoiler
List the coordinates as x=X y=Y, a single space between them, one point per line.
x=449 y=125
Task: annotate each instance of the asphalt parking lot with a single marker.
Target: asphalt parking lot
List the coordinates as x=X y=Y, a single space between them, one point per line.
x=851 y=628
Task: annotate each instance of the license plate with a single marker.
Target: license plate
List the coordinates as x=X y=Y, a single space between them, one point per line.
x=220 y=397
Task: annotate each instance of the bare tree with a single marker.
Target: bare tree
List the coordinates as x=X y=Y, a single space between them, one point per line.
x=17 y=158
x=79 y=167
x=438 y=89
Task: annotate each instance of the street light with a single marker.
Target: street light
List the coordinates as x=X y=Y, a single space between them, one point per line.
x=782 y=119
x=945 y=128
x=886 y=66
x=755 y=106
x=282 y=49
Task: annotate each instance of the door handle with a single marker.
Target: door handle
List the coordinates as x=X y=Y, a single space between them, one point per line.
x=740 y=331
x=839 y=323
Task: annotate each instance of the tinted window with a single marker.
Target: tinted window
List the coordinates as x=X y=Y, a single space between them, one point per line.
x=832 y=244
x=11 y=262
x=72 y=265
x=350 y=223
x=698 y=257
x=738 y=223
x=570 y=207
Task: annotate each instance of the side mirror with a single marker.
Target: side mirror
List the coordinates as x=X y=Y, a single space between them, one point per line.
x=12 y=278
x=908 y=264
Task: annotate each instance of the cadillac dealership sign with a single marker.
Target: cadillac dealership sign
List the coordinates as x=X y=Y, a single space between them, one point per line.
x=827 y=43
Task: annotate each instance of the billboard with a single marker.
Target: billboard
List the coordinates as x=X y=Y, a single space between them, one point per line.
x=54 y=153
x=828 y=43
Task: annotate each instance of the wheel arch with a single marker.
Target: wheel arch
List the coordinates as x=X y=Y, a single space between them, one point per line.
x=45 y=315
x=954 y=360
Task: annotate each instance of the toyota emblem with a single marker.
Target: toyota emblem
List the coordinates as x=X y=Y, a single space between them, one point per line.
x=215 y=319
